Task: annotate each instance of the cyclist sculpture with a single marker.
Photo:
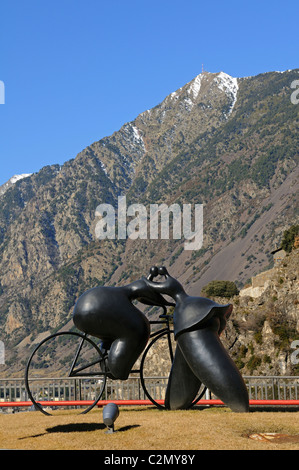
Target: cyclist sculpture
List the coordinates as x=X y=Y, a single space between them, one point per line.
x=109 y=314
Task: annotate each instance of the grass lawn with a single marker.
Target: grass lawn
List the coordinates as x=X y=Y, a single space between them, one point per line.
x=147 y=428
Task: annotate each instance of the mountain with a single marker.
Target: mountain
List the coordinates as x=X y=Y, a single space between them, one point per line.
x=230 y=144
x=4 y=187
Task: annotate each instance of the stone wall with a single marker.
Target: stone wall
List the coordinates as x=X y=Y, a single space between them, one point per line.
x=259 y=284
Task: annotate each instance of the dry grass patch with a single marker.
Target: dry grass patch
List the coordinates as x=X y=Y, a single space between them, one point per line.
x=146 y=428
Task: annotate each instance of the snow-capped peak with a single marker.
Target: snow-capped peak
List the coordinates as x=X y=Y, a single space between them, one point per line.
x=12 y=181
x=229 y=85
x=16 y=178
x=195 y=86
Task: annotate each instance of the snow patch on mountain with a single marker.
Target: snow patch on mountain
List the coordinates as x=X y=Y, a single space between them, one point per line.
x=16 y=178
x=137 y=137
x=12 y=181
x=230 y=86
x=174 y=95
x=133 y=135
x=104 y=168
x=195 y=86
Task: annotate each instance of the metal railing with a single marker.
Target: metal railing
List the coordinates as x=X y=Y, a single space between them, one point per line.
x=68 y=389
x=273 y=388
x=56 y=389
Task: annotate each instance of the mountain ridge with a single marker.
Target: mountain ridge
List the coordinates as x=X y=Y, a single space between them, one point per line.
x=235 y=154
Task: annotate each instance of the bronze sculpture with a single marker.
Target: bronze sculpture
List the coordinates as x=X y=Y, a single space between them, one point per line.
x=109 y=314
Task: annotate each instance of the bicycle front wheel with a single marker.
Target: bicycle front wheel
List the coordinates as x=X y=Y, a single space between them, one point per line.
x=155 y=368
x=65 y=367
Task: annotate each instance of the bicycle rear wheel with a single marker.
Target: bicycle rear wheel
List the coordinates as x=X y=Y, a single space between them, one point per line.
x=65 y=367
x=155 y=368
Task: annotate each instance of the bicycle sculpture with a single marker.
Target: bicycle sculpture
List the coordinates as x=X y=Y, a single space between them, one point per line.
x=107 y=313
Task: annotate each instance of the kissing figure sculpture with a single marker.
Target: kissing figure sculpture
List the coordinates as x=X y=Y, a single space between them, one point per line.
x=200 y=356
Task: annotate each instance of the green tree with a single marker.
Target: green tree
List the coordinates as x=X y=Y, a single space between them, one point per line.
x=220 y=289
x=287 y=243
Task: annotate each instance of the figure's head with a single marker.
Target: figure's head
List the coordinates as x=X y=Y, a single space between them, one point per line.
x=169 y=286
x=157 y=271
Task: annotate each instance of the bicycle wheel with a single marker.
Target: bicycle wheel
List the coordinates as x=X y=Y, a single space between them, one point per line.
x=66 y=366
x=155 y=368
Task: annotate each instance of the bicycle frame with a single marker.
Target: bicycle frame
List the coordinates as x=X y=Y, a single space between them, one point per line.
x=78 y=371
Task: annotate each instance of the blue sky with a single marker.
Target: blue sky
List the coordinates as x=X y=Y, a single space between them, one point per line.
x=75 y=71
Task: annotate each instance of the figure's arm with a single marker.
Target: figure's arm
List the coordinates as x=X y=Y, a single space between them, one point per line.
x=146 y=294
x=169 y=286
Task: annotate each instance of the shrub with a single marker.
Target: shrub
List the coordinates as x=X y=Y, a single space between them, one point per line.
x=220 y=289
x=258 y=336
x=253 y=363
x=287 y=243
x=266 y=359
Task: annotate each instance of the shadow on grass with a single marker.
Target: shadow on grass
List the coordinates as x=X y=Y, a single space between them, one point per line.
x=78 y=427
x=85 y=427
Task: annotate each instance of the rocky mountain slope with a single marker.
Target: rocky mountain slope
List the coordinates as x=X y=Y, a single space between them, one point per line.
x=229 y=144
x=267 y=327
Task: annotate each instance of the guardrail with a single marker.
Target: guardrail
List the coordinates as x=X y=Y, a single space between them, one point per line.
x=272 y=387
x=100 y=403
x=273 y=390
